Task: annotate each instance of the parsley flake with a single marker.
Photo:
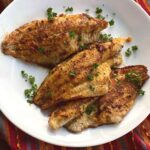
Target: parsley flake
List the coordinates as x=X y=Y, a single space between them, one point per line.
x=50 y=14
x=98 y=13
x=134 y=48
x=95 y=65
x=72 y=73
x=90 y=77
x=111 y=22
x=29 y=93
x=82 y=47
x=72 y=34
x=98 y=10
x=69 y=9
x=89 y=109
x=134 y=78
x=141 y=92
x=105 y=37
x=128 y=52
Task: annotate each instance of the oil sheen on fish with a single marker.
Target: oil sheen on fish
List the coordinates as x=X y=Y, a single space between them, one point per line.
x=48 y=43
x=112 y=107
x=71 y=79
x=67 y=111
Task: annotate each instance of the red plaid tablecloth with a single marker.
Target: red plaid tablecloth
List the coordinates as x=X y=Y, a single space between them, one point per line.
x=12 y=138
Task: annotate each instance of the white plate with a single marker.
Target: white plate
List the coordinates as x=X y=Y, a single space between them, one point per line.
x=130 y=20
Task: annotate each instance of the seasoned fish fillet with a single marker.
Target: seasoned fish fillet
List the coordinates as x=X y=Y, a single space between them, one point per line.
x=72 y=109
x=71 y=79
x=68 y=111
x=112 y=107
x=48 y=43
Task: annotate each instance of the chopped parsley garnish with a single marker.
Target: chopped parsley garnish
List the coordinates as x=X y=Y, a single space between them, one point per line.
x=105 y=37
x=111 y=22
x=24 y=75
x=72 y=73
x=41 y=49
x=134 y=78
x=90 y=77
x=51 y=14
x=134 y=48
x=69 y=9
x=72 y=34
x=91 y=88
x=93 y=72
x=95 y=65
x=29 y=93
x=81 y=47
x=141 y=92
x=98 y=10
x=128 y=52
x=31 y=80
x=99 y=16
x=87 y=10
x=89 y=109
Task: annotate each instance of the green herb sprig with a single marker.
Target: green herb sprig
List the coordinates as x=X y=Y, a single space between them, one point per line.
x=129 y=51
x=134 y=78
x=105 y=37
x=50 y=14
x=141 y=92
x=72 y=74
x=29 y=93
x=69 y=9
x=111 y=22
x=72 y=34
x=98 y=13
x=89 y=109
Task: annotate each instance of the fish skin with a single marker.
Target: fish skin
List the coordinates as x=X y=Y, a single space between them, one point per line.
x=67 y=111
x=65 y=88
x=48 y=43
x=112 y=107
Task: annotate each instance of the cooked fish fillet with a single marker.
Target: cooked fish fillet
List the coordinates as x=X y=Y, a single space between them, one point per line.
x=49 y=42
x=64 y=113
x=112 y=107
x=68 y=111
x=60 y=85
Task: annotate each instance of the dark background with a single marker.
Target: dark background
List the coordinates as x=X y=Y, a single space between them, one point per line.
x=3 y=4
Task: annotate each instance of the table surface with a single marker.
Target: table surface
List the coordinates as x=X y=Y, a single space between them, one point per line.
x=13 y=138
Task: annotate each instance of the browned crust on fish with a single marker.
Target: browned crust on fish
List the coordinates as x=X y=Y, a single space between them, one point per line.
x=53 y=37
x=67 y=111
x=60 y=83
x=112 y=107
